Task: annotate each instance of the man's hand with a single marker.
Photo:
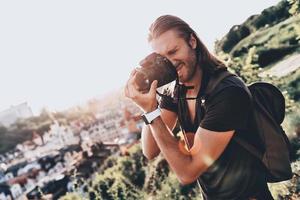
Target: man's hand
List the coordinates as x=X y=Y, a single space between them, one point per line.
x=145 y=100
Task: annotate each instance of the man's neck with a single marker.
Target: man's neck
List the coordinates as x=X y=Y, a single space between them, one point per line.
x=195 y=82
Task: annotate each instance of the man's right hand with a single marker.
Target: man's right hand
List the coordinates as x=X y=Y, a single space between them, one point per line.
x=146 y=101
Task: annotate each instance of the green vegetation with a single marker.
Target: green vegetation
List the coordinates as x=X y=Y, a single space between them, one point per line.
x=133 y=177
x=295 y=7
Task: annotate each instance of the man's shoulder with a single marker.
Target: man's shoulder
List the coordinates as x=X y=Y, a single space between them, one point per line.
x=233 y=81
x=231 y=84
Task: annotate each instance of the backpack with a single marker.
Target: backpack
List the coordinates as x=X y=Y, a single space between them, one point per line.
x=268 y=106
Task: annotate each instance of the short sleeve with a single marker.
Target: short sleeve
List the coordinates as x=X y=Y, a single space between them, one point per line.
x=227 y=110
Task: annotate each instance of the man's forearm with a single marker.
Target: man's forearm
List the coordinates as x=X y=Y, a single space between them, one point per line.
x=168 y=145
x=149 y=146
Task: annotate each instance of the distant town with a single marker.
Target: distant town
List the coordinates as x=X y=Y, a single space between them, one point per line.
x=49 y=163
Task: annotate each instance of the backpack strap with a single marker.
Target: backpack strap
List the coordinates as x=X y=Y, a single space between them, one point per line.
x=215 y=80
x=250 y=148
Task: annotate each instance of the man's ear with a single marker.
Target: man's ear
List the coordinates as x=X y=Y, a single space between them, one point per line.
x=193 y=41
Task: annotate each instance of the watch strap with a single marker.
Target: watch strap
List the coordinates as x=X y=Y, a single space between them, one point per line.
x=149 y=117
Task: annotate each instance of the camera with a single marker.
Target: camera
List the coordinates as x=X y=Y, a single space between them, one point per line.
x=155 y=67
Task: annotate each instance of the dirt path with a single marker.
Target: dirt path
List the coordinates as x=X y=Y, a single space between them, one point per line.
x=284 y=67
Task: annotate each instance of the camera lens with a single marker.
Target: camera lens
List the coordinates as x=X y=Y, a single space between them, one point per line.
x=142 y=80
x=155 y=67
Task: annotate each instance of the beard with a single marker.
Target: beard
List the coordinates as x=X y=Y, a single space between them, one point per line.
x=190 y=67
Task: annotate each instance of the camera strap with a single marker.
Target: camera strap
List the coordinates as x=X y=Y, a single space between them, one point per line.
x=182 y=89
x=189 y=147
x=179 y=89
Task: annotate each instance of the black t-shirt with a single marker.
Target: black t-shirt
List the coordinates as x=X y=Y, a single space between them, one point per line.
x=236 y=174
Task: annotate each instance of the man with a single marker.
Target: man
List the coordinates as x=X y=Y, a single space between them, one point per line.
x=224 y=169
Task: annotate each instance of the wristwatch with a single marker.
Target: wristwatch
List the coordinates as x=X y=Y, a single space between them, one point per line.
x=150 y=116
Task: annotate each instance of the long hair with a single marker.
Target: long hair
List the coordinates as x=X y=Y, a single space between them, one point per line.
x=205 y=59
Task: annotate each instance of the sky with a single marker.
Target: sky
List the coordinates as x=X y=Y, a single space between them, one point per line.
x=61 y=53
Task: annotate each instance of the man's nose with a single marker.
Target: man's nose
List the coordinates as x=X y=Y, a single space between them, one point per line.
x=173 y=60
x=175 y=63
